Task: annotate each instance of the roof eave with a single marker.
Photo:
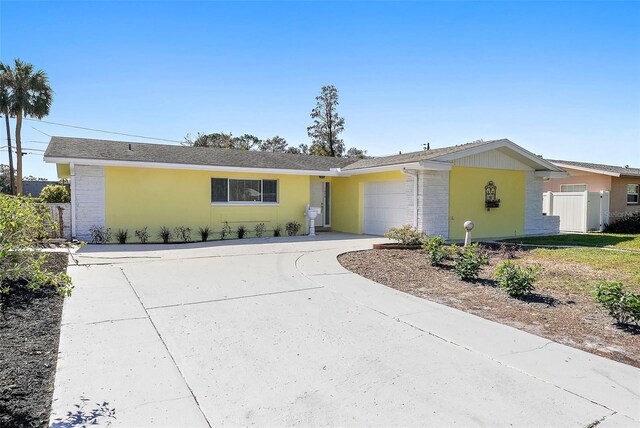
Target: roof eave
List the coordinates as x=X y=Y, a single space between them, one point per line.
x=333 y=172
x=582 y=168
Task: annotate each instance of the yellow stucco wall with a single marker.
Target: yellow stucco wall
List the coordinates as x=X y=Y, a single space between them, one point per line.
x=466 y=202
x=63 y=170
x=138 y=197
x=348 y=199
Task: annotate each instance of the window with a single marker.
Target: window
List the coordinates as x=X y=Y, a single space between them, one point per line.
x=573 y=187
x=632 y=193
x=228 y=190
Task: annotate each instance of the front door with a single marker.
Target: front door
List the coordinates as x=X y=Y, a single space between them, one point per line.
x=321 y=197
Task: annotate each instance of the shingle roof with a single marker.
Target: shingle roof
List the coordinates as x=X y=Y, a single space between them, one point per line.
x=84 y=148
x=630 y=172
x=414 y=156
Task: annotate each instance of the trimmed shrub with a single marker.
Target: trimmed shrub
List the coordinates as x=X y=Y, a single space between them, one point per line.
x=204 y=233
x=122 y=235
x=468 y=261
x=241 y=231
x=516 y=280
x=183 y=233
x=625 y=223
x=165 y=234
x=22 y=223
x=100 y=234
x=405 y=235
x=225 y=231
x=56 y=194
x=623 y=305
x=277 y=231
x=142 y=235
x=259 y=230
x=292 y=228
x=435 y=250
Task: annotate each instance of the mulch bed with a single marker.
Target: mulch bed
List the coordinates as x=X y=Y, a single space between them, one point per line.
x=29 y=332
x=561 y=314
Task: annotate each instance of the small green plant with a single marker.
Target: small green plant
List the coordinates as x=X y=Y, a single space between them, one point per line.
x=241 y=231
x=405 y=235
x=56 y=194
x=122 y=235
x=435 y=249
x=165 y=234
x=259 y=230
x=23 y=221
x=516 y=280
x=468 y=261
x=100 y=234
x=204 y=233
x=226 y=230
x=142 y=235
x=292 y=228
x=277 y=231
x=183 y=233
x=623 y=305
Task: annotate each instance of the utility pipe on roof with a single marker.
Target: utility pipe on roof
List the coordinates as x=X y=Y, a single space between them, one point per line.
x=415 y=195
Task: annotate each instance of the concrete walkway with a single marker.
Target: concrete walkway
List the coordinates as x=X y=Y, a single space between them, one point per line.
x=264 y=332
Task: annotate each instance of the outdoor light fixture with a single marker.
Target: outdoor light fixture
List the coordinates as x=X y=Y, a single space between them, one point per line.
x=490 y=196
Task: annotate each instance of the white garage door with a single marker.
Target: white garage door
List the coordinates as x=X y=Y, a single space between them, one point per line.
x=385 y=206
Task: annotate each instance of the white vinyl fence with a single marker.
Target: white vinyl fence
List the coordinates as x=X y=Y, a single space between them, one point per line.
x=578 y=211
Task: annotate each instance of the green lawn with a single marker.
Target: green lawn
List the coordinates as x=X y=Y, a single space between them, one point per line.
x=582 y=268
x=609 y=240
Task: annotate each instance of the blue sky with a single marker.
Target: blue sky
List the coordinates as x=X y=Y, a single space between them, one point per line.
x=561 y=79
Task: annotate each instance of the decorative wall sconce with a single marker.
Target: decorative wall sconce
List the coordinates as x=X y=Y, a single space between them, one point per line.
x=490 y=196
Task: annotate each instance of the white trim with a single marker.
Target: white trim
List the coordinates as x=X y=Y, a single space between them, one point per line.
x=72 y=183
x=374 y=169
x=586 y=187
x=436 y=165
x=550 y=174
x=496 y=145
x=245 y=204
x=637 y=194
x=136 y=164
x=415 y=195
x=582 y=168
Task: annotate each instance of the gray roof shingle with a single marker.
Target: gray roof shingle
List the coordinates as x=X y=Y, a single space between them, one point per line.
x=84 y=148
x=625 y=171
x=413 y=156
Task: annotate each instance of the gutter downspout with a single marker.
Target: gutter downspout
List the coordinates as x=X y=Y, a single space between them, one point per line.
x=415 y=195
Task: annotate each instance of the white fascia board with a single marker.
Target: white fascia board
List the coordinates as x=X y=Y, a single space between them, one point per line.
x=499 y=144
x=436 y=165
x=582 y=168
x=551 y=174
x=385 y=168
x=100 y=162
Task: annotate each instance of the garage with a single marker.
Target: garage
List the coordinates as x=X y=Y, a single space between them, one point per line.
x=385 y=205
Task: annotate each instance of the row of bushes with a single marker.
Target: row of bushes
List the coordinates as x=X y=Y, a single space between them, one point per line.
x=625 y=223
x=518 y=281
x=103 y=235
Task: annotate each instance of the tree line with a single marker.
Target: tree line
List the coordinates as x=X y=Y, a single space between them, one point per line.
x=324 y=134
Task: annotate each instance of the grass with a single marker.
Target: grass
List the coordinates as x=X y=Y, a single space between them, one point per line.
x=579 y=269
x=607 y=240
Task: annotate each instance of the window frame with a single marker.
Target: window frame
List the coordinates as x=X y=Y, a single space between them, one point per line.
x=636 y=194
x=586 y=187
x=245 y=203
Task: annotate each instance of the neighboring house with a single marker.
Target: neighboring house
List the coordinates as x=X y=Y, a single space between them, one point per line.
x=34 y=187
x=123 y=185
x=622 y=182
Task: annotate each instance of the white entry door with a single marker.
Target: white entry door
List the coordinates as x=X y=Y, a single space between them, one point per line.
x=385 y=206
x=321 y=197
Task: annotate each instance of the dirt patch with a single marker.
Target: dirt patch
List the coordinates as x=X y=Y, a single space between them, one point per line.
x=558 y=310
x=29 y=333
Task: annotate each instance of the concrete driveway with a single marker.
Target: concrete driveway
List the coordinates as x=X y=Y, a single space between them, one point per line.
x=271 y=333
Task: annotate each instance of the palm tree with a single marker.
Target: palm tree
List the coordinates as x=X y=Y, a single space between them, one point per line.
x=4 y=110
x=29 y=95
